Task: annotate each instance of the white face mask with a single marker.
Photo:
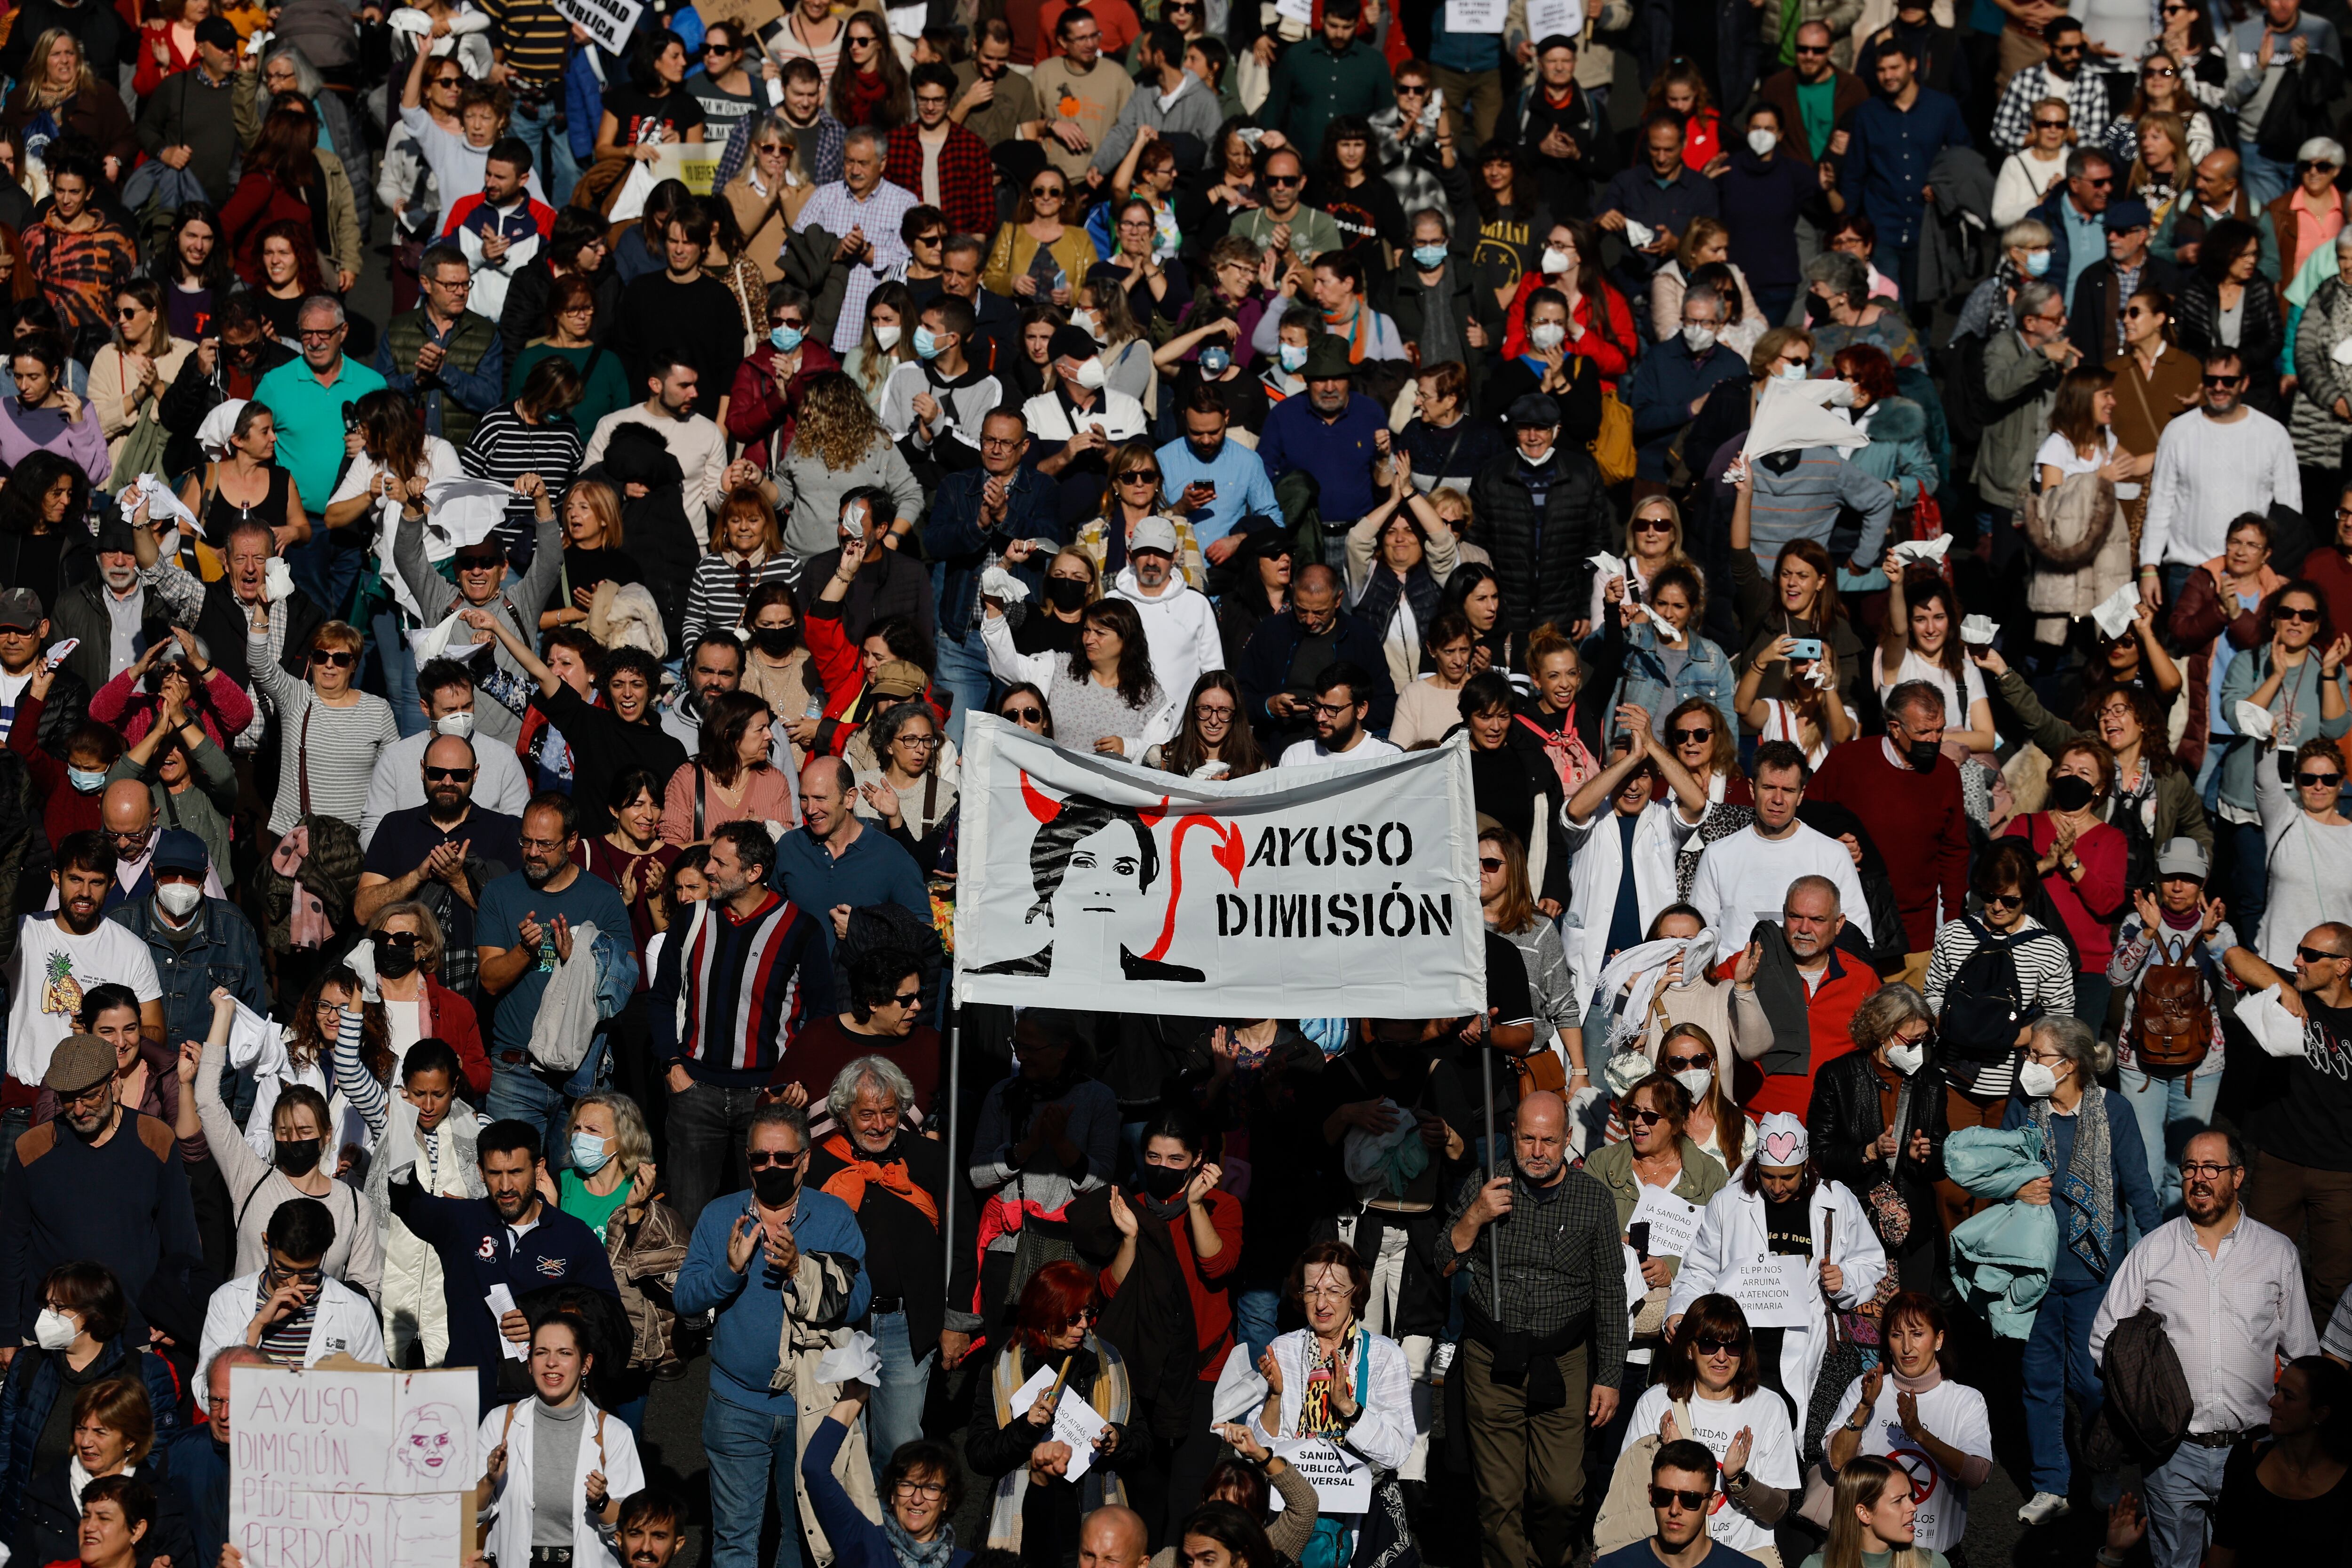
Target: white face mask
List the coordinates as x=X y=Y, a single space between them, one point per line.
x=179 y=899
x=1761 y=143
x=1555 y=263
x=2038 y=1080
x=458 y=724
x=1906 y=1059
x=1090 y=374
x=1797 y=371
x=1696 y=1080
x=1698 y=339
x=1538 y=459
x=53 y=1330
x=1084 y=321
x=886 y=338
x=1545 y=336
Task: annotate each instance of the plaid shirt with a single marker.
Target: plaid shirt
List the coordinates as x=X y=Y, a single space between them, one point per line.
x=1563 y=1259
x=967 y=177
x=2086 y=103
x=835 y=210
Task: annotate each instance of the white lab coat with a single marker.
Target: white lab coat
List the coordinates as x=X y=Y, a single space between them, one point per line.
x=344 y=1324
x=1731 y=1231
x=1382 y=1435
x=1598 y=866
x=606 y=1445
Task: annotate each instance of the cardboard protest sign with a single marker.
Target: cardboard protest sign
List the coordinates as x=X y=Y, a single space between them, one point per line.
x=342 y=1466
x=609 y=22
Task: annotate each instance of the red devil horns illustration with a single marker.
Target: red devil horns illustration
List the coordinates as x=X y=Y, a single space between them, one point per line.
x=1042 y=810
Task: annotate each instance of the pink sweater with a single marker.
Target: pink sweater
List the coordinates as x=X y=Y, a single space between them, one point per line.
x=130 y=710
x=767 y=798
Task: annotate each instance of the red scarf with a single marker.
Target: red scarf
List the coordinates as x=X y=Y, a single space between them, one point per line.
x=849 y=1182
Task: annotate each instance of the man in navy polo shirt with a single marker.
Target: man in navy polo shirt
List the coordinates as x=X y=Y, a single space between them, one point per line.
x=507 y=1240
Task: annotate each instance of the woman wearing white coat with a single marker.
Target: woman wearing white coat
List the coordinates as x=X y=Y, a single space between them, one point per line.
x=535 y=1510
x=1733 y=1236
x=1363 y=1402
x=1647 y=783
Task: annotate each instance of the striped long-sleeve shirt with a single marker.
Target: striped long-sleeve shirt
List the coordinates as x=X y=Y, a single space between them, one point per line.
x=335 y=756
x=2045 y=982
x=1803 y=503
x=732 y=990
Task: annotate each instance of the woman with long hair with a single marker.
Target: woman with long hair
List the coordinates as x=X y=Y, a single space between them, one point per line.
x=1032 y=368
x=1517 y=785
x=776 y=661
x=2163 y=90
x=2286 y=1493
x=1687 y=1053
x=869 y=86
x=39 y=362
x=45 y=543
x=1680 y=90
x=17 y=283
x=1213 y=739
x=1104 y=696
x=1232 y=173
x=1512 y=221
x=746 y=551
x=1475 y=594
x=128 y=376
x=58 y=95
x=593 y=553
x=77 y=254
x=1558 y=673
x=536 y=432
x=1035 y=1512
x=2161 y=168
x=1599 y=325
x=509 y=1497
x=289 y=275
x=1800 y=601
x=1874 y=1518
x=1133 y=495
x=1713 y=1372
x=195 y=271
x=730 y=777
x=1044 y=252
x=1660 y=667
x=887 y=343
x=1508 y=903
x=765 y=203
x=2297 y=673
x=2082 y=861
x=2228 y=305
x=386 y=477
x=2080 y=451
x=570 y=322
x=1429 y=708
x=653 y=106
x=2155 y=797
x=839 y=445
x=1347 y=183
x=1813 y=716
x=1921 y=641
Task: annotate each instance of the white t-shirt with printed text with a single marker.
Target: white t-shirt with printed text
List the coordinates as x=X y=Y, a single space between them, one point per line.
x=1956 y=1414
x=1771 y=1451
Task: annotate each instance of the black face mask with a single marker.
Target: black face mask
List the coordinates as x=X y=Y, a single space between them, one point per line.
x=1817 y=309
x=1164 y=1182
x=1065 y=593
x=393 y=961
x=774 y=1185
x=2071 y=794
x=296 y=1156
x=1923 y=755
x=776 y=641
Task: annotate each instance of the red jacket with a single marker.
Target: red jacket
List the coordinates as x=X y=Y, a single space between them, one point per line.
x=967 y=177
x=1204 y=1278
x=1917 y=823
x=449 y=1017
x=151 y=75
x=840 y=664
x=1614 y=358
x=1848 y=984
x=756 y=410
x=2090 y=908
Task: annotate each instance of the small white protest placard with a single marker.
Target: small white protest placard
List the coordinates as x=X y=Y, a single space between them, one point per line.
x=356 y=1466
x=609 y=22
x=1551 y=19
x=1476 y=15
x=1076 y=1422
x=1342 y=1482
x=1775 y=1292
x=1673 y=1221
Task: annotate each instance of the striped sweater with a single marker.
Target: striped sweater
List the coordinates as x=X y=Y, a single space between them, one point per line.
x=2045 y=979
x=732 y=990
x=1804 y=504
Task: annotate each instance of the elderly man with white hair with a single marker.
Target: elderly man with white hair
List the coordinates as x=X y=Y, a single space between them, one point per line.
x=897 y=1181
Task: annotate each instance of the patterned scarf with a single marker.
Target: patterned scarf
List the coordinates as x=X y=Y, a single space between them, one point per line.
x=2088 y=1185
x=913 y=1553
x=1315 y=1410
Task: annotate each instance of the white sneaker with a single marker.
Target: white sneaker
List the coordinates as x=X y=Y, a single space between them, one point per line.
x=2045 y=1507
x=1441 y=1362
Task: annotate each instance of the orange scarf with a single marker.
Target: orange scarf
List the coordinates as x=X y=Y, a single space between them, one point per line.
x=848 y=1184
x=1357 y=328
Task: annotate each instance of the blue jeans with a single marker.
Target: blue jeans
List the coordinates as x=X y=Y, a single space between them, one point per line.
x=893 y=1416
x=550 y=150
x=1255 y=1310
x=521 y=1094
x=2265 y=179
x=2170 y=1111
x=2057 y=1358
x=750 y=1454
x=2250 y=873
x=963 y=670
x=390 y=646
x=2180 y=1493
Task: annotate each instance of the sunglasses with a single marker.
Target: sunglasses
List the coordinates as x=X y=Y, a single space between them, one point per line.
x=397 y=939
x=1685 y=737
x=1706 y=1344
x=447 y=775
x=1652 y=525
x=1681 y=1063
x=1644 y=1116
x=131 y=314
x=1081 y=1317
x=2004 y=901
x=907 y=998
x=1285 y=180
x=861 y=40
x=1045 y=192
x=2220 y=381
x=1140 y=477
x=1803 y=50
x=2289 y=613
x=1665 y=1497
x=763 y=1159
x=2318 y=781
x=1490 y=863
x=478 y=563
x=2317 y=954
x=710 y=48
x=334 y=657
x=2166 y=72
x=2049 y=125
x=1023 y=715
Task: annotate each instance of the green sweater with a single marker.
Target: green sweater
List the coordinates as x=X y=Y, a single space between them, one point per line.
x=605 y=385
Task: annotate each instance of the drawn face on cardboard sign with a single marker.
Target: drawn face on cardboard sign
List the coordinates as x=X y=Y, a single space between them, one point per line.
x=428 y=1448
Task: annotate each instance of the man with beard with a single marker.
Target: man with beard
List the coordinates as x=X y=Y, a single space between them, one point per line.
x=444 y=690
x=1218 y=486
x=1331 y=437
x=2230 y=1289
x=895 y=1182
x=781 y=1249
x=426 y=851
x=1000 y=508
x=59 y=957
x=507 y=1244
x=1178 y=622
x=195 y=938
x=992 y=99
x=1793 y=994
x=116 y=615
x=197 y=1457
x=1344 y=694
x=523 y=929
x=713 y=664
x=102 y=1182
x=750 y=970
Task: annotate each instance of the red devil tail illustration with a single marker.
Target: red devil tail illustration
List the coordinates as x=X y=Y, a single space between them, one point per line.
x=1229 y=852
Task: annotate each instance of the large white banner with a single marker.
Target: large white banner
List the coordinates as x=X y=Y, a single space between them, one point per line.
x=1341 y=891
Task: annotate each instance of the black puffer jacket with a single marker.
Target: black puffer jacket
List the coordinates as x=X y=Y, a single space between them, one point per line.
x=1541 y=561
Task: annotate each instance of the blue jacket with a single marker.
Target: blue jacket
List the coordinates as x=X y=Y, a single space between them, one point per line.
x=219 y=948
x=197 y=1468
x=31 y=1391
x=960 y=549
x=857 y=1541
x=1887 y=156
x=477 y=1251
x=2001 y=1256
x=751 y=1316
x=2134 y=1196
x=1338 y=455
x=583 y=100
x=1667 y=380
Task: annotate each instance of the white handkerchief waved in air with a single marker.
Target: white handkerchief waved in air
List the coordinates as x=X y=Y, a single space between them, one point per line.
x=2113 y=612
x=466 y=510
x=2251 y=719
x=1978 y=631
x=856 y=1362
x=162 y=506
x=1790 y=417
x=1666 y=628
x=996 y=583
x=278 y=579
x=2276 y=1030
x=1608 y=565
x=1924 y=550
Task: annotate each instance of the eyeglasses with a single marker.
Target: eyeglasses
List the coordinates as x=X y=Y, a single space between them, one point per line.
x=1690 y=736
x=2289 y=613
x=925 y=741
x=2317 y=954
x=1331 y=710
x=104 y=1086
x=1023 y=715
x=319 y=334
x=335 y=657
x=446 y=776
x=2319 y=781
x=762 y=1159
x=1207 y=713
x=1326 y=1292
x=1665 y=1497
x=1707 y=1344
x=929 y=1490
x=2207 y=1169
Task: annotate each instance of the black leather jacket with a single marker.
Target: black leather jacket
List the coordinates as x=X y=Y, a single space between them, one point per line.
x=1844 y=1119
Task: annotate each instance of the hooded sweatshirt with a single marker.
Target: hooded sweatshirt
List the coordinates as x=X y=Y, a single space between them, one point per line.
x=1180 y=624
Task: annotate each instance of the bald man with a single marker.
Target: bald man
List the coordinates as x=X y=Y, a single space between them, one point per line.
x=833 y=864
x=1551 y=1359
x=2219 y=195
x=1114 y=1537
x=1287 y=651
x=127 y=819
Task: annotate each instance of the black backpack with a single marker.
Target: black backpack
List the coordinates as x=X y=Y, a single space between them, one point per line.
x=1984 y=1006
